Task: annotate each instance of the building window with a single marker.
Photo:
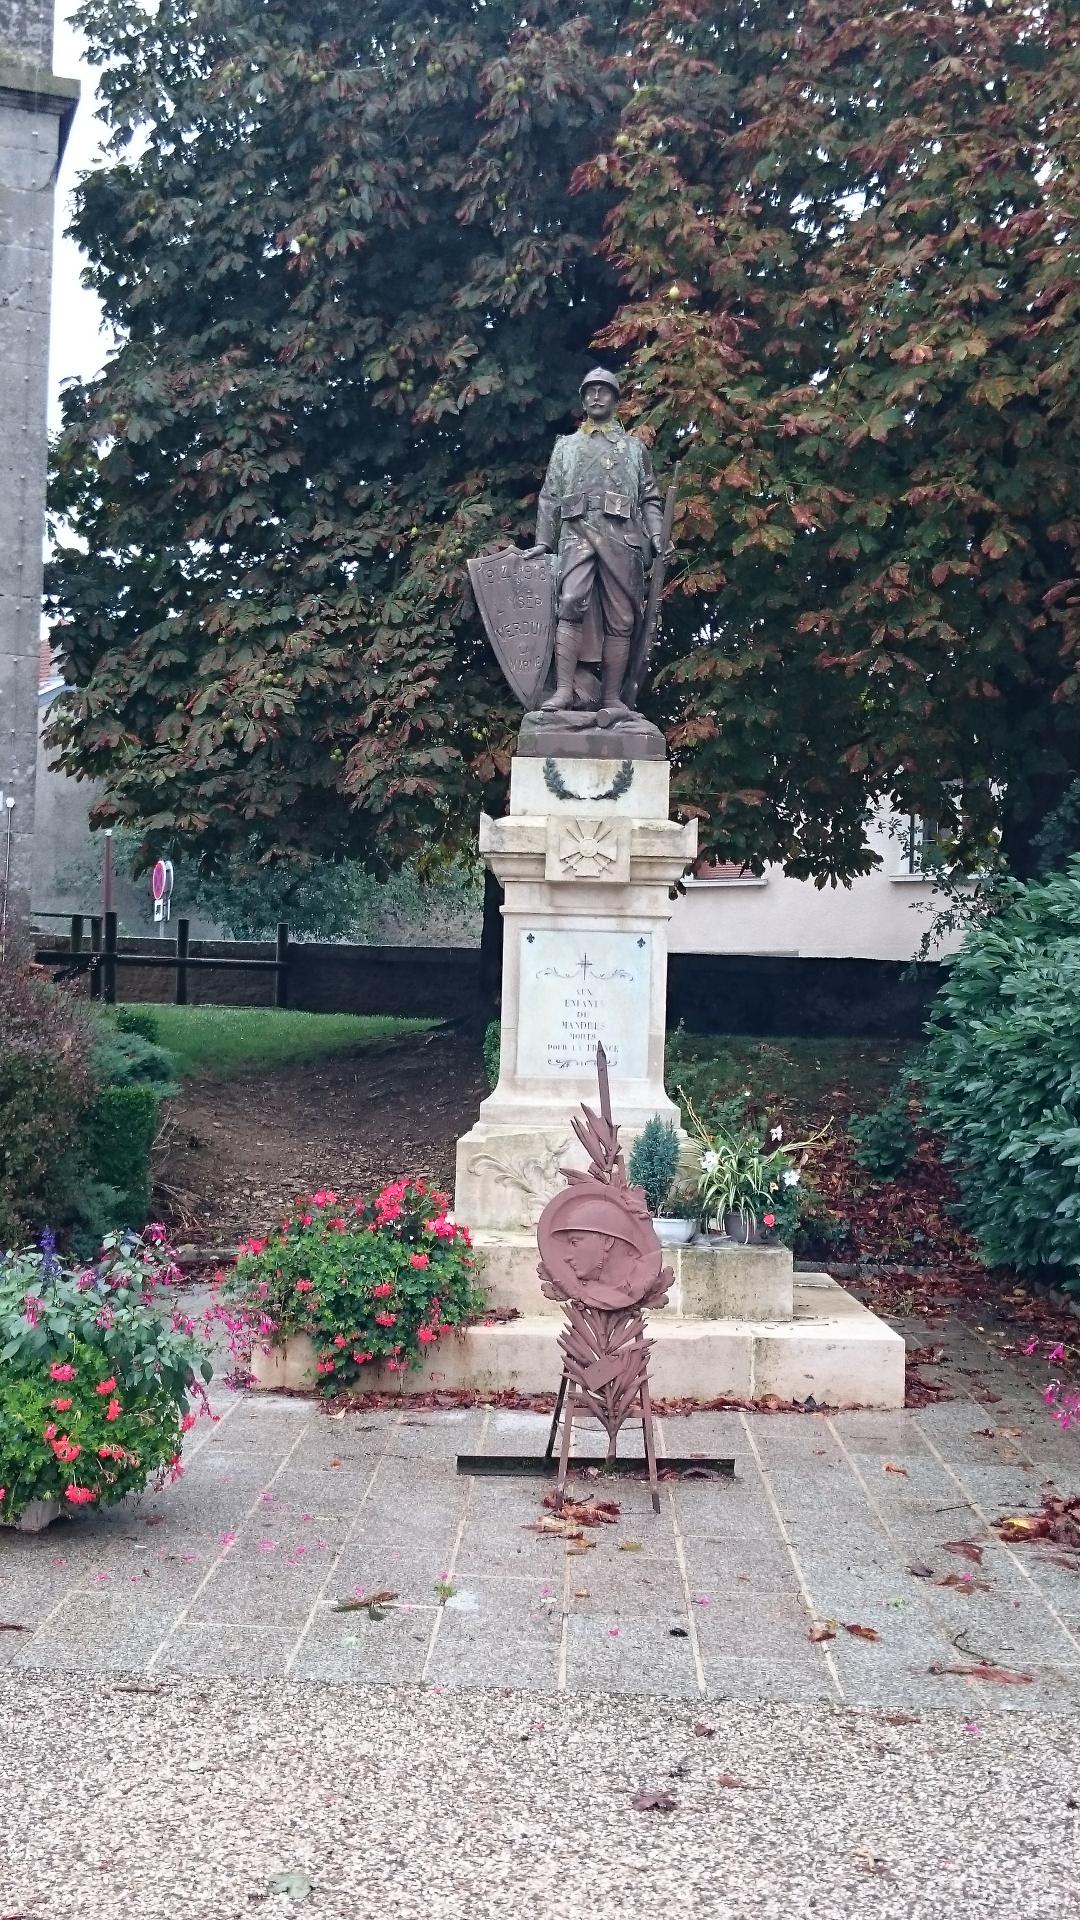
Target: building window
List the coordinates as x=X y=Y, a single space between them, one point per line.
x=725 y=873
x=919 y=844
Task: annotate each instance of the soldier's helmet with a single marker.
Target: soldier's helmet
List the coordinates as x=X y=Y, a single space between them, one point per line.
x=601 y=377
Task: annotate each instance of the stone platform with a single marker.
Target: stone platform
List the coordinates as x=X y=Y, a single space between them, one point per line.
x=739 y=1322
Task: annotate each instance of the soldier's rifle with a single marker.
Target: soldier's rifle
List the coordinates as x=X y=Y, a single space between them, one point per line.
x=650 y=622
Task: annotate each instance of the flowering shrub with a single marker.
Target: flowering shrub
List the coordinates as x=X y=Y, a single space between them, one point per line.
x=372 y=1282
x=99 y=1381
x=760 y=1181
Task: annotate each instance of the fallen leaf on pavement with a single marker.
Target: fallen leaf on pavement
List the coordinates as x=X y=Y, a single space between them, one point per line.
x=372 y=1604
x=1057 y=1519
x=962 y=1583
x=703 y=1732
x=12 y=1626
x=901 y=1719
x=889 y=1468
x=653 y=1800
x=970 y=1549
x=822 y=1630
x=1003 y=1676
x=861 y=1633
x=587 y=1513
x=565 y=1529
x=729 y=1780
x=870 y=1861
x=629 y=1546
x=921 y=1571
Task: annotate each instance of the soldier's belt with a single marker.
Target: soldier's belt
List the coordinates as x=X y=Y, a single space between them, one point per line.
x=617 y=505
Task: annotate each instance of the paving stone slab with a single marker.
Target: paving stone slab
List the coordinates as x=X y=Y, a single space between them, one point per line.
x=261 y=1652
x=731 y=1566
x=94 y=1632
x=764 y=1679
x=494 y=1634
x=351 y=1649
x=614 y=1590
x=636 y=1656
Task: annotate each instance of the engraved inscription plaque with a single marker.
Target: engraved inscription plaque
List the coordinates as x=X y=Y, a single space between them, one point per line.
x=581 y=988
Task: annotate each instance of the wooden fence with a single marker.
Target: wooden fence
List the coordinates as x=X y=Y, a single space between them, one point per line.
x=103 y=957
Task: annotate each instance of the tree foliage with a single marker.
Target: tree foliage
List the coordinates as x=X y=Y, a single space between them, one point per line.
x=355 y=259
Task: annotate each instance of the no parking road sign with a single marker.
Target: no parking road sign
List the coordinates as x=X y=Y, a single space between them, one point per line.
x=161 y=886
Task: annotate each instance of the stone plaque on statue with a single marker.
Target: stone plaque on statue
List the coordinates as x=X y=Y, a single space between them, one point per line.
x=582 y=988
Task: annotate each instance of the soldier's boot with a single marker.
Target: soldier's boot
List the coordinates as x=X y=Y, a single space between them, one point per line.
x=567 y=648
x=616 y=658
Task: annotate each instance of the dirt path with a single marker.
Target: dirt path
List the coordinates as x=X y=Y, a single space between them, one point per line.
x=236 y=1153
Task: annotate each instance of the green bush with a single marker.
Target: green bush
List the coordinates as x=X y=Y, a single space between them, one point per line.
x=122 y=1056
x=140 y=1020
x=45 y=1089
x=885 y=1141
x=492 y=1053
x=654 y=1161
x=1000 y=1077
x=120 y=1131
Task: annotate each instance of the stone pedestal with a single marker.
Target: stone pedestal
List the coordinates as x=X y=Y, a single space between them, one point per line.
x=587 y=856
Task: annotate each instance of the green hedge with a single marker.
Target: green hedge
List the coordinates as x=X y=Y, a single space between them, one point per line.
x=119 y=1137
x=1000 y=1078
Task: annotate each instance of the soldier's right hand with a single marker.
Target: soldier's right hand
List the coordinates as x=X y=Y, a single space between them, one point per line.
x=533 y=553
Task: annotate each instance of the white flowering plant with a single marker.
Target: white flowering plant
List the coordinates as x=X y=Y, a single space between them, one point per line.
x=758 y=1180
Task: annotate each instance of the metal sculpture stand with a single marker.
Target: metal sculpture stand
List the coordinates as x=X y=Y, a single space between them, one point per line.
x=579 y=1405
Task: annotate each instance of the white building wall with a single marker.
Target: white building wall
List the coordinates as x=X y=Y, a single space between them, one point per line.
x=875 y=918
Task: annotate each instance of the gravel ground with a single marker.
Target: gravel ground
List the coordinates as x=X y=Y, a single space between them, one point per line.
x=148 y=1800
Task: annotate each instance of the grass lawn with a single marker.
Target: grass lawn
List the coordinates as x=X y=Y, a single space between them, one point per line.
x=216 y=1043
x=798 y=1072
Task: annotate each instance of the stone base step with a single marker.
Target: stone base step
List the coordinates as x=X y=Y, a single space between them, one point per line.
x=711 y=1282
x=834 y=1349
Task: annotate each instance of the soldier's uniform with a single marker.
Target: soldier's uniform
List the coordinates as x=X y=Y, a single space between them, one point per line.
x=601 y=510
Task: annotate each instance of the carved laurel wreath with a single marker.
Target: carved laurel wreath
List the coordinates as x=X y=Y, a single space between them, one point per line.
x=556 y=785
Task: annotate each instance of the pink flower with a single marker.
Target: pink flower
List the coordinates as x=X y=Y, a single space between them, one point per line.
x=79 y=1496
x=324 y=1366
x=340 y=1340
x=426 y=1335
x=1056 y=1353
x=106 y=1386
x=305 y=1286
x=383 y=1292
x=385 y=1319
x=394 y=1366
x=1032 y=1345
x=61 y=1373
x=252 y=1246
x=768 y=1219
x=419 y=1260
x=360 y=1358
x=443 y=1228
x=324 y=1198
x=188 y=1422
x=61 y=1406
x=304 y=1219
x=113 y=1410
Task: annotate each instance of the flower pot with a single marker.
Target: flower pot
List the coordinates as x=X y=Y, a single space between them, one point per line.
x=34 y=1518
x=673 y=1233
x=740 y=1227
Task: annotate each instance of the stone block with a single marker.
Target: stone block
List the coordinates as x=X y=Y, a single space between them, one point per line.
x=834 y=1349
x=735 y=1283
x=535 y=788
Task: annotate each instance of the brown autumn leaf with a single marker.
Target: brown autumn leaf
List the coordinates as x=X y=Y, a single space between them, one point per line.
x=963 y=1583
x=889 y=1467
x=703 y=1732
x=653 y=1800
x=587 y=1513
x=12 y=1626
x=982 y=1670
x=822 y=1630
x=969 y=1549
x=630 y=1546
x=563 y=1528
x=861 y=1633
x=729 y=1780
x=900 y=1719
x=920 y=1570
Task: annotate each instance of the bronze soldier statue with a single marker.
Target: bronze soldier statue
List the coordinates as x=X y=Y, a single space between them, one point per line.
x=600 y=509
x=601 y=516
